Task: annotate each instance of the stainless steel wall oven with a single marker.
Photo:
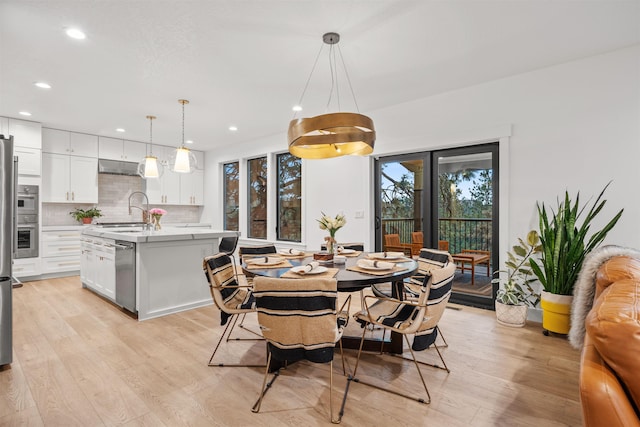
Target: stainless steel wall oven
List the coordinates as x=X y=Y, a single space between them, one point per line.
x=27 y=222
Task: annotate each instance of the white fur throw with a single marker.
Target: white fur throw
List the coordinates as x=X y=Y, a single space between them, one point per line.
x=585 y=288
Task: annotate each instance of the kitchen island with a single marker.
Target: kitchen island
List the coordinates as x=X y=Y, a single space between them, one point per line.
x=161 y=271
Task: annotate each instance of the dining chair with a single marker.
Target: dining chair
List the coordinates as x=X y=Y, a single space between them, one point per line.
x=299 y=320
x=392 y=244
x=417 y=316
x=247 y=251
x=228 y=246
x=233 y=296
x=417 y=242
x=427 y=260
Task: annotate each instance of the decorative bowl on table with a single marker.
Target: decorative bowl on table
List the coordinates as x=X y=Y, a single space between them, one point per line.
x=323 y=256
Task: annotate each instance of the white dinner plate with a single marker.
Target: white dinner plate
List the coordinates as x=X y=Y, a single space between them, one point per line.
x=261 y=261
x=381 y=256
x=300 y=270
x=347 y=251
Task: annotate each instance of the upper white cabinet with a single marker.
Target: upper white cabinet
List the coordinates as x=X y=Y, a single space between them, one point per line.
x=71 y=143
x=69 y=179
x=25 y=134
x=164 y=190
x=192 y=188
x=29 y=160
x=119 y=149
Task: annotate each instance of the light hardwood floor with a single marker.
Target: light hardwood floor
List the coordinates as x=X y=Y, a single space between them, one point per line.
x=79 y=360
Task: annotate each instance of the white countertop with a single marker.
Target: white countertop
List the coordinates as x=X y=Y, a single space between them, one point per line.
x=167 y=233
x=64 y=227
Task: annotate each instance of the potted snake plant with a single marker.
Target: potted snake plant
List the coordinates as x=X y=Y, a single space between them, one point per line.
x=516 y=294
x=564 y=245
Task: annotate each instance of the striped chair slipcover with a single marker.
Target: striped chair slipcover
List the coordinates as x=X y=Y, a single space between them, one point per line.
x=437 y=299
x=231 y=294
x=417 y=315
x=299 y=320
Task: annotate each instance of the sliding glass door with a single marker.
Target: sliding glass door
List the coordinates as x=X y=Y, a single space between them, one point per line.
x=448 y=199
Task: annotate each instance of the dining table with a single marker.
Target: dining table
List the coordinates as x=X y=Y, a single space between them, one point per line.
x=348 y=280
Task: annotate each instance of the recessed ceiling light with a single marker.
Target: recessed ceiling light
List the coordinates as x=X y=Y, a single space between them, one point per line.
x=43 y=85
x=233 y=128
x=24 y=113
x=75 y=33
x=120 y=130
x=297 y=108
x=188 y=141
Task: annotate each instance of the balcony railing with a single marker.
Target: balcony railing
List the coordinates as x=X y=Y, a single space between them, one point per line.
x=461 y=233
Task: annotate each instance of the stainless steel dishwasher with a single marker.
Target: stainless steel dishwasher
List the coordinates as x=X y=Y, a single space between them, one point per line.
x=126 y=275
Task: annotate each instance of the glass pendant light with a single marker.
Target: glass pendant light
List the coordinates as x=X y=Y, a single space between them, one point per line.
x=150 y=167
x=182 y=160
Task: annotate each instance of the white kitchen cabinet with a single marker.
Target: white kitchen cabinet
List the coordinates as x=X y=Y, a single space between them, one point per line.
x=119 y=149
x=192 y=188
x=134 y=151
x=69 y=179
x=72 y=143
x=97 y=266
x=60 y=251
x=105 y=279
x=29 y=160
x=87 y=263
x=26 y=267
x=164 y=190
x=25 y=134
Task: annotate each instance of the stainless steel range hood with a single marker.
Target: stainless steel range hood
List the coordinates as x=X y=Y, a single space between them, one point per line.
x=116 y=167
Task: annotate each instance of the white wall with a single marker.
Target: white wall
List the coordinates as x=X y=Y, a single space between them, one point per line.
x=574 y=126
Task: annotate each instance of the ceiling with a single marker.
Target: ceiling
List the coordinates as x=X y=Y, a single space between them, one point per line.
x=246 y=62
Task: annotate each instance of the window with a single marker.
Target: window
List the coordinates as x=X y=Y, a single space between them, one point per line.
x=257 y=212
x=231 y=196
x=289 y=197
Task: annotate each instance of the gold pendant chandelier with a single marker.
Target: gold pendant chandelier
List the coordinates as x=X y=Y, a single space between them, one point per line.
x=332 y=134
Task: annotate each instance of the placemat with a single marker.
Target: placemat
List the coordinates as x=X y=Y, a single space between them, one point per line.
x=402 y=259
x=375 y=272
x=292 y=256
x=331 y=272
x=285 y=263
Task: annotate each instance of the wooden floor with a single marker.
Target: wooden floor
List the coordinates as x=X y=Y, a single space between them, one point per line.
x=80 y=361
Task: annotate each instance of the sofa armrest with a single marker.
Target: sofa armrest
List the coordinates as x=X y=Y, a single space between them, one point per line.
x=604 y=400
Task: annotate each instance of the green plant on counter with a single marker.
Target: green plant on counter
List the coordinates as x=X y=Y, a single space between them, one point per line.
x=565 y=244
x=517 y=289
x=79 y=213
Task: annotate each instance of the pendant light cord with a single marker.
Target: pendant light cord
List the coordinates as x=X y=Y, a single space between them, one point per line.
x=309 y=79
x=151 y=135
x=183 y=124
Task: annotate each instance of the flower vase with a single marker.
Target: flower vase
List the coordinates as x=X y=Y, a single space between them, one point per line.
x=157 y=226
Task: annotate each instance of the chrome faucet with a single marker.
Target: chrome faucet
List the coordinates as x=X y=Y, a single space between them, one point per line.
x=145 y=212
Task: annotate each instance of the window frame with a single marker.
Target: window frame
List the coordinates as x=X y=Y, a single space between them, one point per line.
x=278 y=187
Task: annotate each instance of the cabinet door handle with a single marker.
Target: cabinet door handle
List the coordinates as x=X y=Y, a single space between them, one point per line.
x=73 y=195
x=67 y=196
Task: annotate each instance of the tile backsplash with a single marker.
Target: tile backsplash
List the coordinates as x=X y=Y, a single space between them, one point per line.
x=113 y=199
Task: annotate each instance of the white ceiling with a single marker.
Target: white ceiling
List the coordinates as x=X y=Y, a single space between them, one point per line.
x=245 y=62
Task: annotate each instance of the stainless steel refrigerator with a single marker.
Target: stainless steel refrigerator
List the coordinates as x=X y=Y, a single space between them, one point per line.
x=7 y=212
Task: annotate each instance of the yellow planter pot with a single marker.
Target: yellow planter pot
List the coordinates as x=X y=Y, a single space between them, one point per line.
x=556 y=312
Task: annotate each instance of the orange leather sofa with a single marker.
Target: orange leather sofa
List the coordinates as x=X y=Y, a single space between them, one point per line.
x=610 y=363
